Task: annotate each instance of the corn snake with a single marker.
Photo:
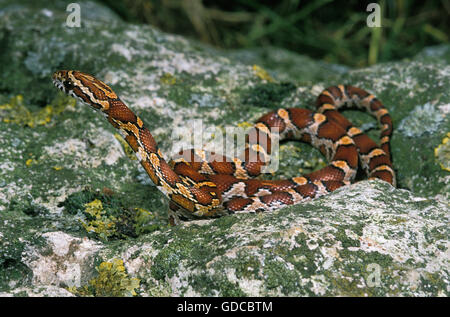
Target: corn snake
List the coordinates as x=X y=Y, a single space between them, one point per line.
x=202 y=184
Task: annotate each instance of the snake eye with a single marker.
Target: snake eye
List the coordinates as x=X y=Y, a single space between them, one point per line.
x=68 y=85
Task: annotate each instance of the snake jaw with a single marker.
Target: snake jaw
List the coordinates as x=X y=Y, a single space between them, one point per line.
x=63 y=82
x=57 y=81
x=59 y=85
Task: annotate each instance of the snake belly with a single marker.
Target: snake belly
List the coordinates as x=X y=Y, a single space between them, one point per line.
x=205 y=184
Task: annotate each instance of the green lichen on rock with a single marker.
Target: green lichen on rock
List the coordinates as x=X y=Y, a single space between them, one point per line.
x=268 y=95
x=320 y=248
x=367 y=239
x=104 y=217
x=423 y=119
x=17 y=113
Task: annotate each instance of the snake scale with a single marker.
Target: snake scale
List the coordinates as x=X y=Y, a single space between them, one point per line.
x=205 y=184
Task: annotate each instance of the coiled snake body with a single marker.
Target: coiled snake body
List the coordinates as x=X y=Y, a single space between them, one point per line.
x=202 y=184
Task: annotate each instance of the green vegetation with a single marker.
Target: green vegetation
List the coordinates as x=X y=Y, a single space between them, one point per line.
x=334 y=31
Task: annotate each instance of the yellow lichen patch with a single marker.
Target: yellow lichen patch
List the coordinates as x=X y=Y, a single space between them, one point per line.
x=245 y=125
x=168 y=79
x=112 y=281
x=15 y=111
x=127 y=148
x=102 y=225
x=262 y=74
x=442 y=153
x=94 y=207
x=29 y=162
x=140 y=211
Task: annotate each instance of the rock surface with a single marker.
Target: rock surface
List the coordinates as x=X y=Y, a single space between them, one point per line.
x=72 y=199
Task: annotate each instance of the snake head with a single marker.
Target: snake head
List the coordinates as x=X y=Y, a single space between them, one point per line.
x=84 y=87
x=63 y=81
